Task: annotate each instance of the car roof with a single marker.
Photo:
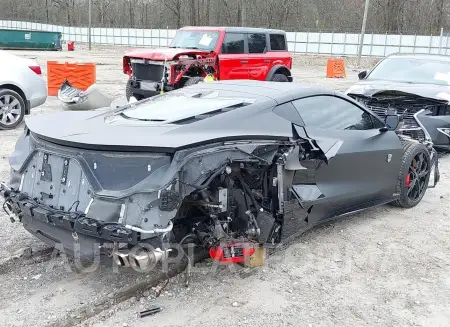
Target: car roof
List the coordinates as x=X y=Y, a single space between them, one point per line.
x=232 y=29
x=420 y=56
x=278 y=91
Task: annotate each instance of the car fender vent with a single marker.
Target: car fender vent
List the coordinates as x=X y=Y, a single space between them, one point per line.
x=196 y=118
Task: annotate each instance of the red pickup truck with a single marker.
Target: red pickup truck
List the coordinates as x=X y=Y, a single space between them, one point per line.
x=196 y=52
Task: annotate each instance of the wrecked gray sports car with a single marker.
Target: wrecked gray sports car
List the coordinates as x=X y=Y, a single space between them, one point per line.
x=226 y=165
x=417 y=87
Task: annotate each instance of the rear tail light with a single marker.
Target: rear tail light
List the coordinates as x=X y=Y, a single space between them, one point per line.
x=127 y=66
x=36 y=69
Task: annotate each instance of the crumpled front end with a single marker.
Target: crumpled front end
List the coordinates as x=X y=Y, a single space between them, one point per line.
x=426 y=119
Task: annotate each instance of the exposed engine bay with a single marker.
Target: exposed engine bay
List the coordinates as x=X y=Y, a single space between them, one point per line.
x=422 y=118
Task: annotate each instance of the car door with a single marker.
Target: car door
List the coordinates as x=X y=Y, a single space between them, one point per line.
x=360 y=163
x=278 y=53
x=258 y=63
x=233 y=57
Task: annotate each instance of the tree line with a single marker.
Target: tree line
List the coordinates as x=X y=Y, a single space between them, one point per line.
x=385 y=16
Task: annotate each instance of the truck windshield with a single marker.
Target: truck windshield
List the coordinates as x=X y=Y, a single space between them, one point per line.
x=202 y=40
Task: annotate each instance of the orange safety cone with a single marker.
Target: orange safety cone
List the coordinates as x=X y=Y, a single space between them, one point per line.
x=336 y=68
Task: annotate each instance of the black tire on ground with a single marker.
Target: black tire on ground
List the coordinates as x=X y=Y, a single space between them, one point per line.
x=411 y=195
x=128 y=91
x=193 y=80
x=12 y=105
x=279 y=78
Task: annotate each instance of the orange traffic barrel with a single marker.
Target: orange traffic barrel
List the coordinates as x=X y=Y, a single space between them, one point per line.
x=79 y=75
x=335 y=68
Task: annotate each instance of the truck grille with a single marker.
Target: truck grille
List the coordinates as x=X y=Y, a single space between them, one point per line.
x=147 y=72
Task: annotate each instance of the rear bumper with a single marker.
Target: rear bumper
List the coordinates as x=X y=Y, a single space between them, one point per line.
x=38 y=94
x=72 y=232
x=38 y=99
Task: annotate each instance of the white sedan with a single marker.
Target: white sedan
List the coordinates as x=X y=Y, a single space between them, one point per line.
x=21 y=88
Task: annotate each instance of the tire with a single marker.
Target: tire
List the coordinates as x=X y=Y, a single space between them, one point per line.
x=410 y=186
x=279 y=78
x=193 y=81
x=12 y=109
x=128 y=91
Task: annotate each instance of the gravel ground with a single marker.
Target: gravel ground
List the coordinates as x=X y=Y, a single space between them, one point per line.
x=382 y=267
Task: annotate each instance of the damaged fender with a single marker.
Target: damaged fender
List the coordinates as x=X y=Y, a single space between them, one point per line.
x=76 y=99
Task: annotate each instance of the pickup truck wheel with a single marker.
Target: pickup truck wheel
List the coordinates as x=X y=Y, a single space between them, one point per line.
x=193 y=81
x=414 y=175
x=12 y=109
x=279 y=78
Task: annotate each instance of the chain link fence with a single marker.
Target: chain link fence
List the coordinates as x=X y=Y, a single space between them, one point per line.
x=326 y=43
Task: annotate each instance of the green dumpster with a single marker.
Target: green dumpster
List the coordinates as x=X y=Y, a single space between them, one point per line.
x=35 y=40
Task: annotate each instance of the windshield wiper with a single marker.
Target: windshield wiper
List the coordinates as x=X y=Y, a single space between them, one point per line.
x=194 y=48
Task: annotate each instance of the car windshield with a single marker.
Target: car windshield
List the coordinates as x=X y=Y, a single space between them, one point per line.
x=202 y=40
x=416 y=71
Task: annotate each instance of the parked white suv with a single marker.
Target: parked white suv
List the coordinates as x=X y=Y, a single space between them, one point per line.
x=21 y=88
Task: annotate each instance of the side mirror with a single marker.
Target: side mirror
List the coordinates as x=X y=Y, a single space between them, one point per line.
x=391 y=120
x=363 y=74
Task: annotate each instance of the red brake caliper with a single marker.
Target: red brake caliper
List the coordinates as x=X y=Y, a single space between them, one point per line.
x=408 y=180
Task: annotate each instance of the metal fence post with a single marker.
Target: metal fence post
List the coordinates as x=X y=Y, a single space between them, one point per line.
x=295 y=42
x=332 y=43
x=446 y=45
x=363 y=31
x=415 y=40
x=345 y=42
x=385 y=45
x=307 y=41
x=320 y=38
x=440 y=39
x=431 y=43
x=90 y=24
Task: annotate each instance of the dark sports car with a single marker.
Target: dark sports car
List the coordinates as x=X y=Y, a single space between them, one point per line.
x=225 y=165
x=417 y=86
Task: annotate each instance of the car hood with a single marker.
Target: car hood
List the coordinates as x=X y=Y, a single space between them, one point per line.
x=162 y=54
x=370 y=88
x=99 y=130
